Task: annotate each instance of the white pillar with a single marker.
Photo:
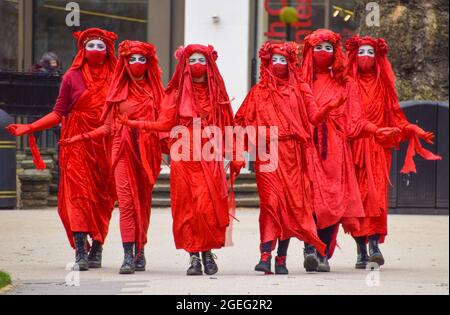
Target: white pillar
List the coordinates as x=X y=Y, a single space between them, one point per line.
x=225 y=24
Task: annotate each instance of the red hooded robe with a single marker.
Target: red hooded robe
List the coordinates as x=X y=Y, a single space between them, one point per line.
x=335 y=188
x=285 y=204
x=135 y=154
x=199 y=190
x=85 y=199
x=373 y=159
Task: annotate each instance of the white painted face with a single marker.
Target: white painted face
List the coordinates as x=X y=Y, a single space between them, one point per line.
x=279 y=59
x=324 y=46
x=197 y=58
x=366 y=50
x=95 y=44
x=137 y=58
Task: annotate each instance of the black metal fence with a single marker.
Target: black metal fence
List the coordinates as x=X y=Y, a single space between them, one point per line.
x=28 y=96
x=425 y=192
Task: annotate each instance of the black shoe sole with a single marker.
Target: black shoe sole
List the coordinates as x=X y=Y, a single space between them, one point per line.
x=140 y=269
x=126 y=272
x=281 y=272
x=95 y=265
x=80 y=267
x=310 y=264
x=262 y=269
x=211 y=272
x=194 y=273
x=378 y=259
x=361 y=266
x=323 y=268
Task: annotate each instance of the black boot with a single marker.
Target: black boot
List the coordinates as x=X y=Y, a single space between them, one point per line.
x=324 y=265
x=311 y=261
x=209 y=264
x=375 y=255
x=140 y=261
x=280 y=265
x=128 y=266
x=362 y=257
x=95 y=255
x=81 y=256
x=195 y=268
x=265 y=263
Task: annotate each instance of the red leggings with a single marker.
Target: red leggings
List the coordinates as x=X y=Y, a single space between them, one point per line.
x=126 y=205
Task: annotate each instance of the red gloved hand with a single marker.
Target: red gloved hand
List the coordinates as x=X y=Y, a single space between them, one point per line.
x=73 y=140
x=235 y=167
x=18 y=130
x=337 y=104
x=48 y=121
x=124 y=120
x=427 y=136
x=384 y=133
x=327 y=109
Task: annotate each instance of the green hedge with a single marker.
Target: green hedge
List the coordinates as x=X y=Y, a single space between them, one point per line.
x=5 y=279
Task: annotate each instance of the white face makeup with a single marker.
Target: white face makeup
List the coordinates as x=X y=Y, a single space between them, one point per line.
x=197 y=58
x=279 y=60
x=324 y=46
x=95 y=44
x=137 y=58
x=366 y=50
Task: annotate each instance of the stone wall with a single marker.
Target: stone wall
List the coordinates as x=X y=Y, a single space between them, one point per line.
x=37 y=189
x=417 y=33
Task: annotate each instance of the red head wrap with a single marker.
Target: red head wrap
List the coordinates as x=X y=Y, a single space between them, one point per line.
x=182 y=81
x=315 y=38
x=118 y=91
x=290 y=50
x=95 y=33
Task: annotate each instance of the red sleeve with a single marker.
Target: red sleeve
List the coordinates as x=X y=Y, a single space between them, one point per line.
x=63 y=101
x=355 y=124
x=399 y=117
x=246 y=115
x=167 y=117
x=72 y=87
x=314 y=115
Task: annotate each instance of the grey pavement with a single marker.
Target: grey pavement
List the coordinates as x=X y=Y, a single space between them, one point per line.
x=35 y=251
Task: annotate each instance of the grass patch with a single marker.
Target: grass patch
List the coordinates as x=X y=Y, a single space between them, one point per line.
x=5 y=279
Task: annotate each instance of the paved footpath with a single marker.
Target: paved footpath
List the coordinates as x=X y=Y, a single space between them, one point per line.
x=34 y=250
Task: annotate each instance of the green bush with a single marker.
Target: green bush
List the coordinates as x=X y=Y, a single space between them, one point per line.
x=5 y=279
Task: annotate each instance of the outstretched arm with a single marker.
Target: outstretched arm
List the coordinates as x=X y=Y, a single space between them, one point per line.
x=166 y=121
x=48 y=121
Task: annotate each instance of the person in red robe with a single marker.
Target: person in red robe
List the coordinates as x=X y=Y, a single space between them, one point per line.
x=336 y=196
x=136 y=91
x=195 y=99
x=369 y=67
x=85 y=199
x=283 y=101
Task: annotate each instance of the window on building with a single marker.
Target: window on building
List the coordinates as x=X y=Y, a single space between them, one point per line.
x=127 y=18
x=9 y=21
x=311 y=14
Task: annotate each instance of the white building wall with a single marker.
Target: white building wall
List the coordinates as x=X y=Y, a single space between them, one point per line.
x=230 y=37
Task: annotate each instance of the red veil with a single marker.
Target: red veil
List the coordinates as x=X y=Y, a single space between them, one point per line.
x=118 y=91
x=82 y=38
x=385 y=77
x=182 y=82
x=315 y=38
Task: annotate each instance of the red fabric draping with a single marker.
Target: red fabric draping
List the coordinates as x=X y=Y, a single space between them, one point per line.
x=285 y=204
x=373 y=159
